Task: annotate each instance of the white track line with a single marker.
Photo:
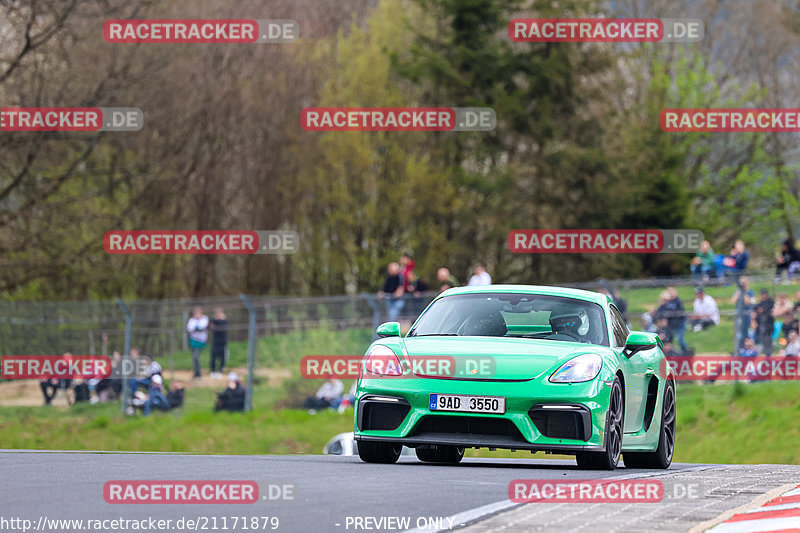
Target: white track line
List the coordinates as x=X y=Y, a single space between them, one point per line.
x=462 y=519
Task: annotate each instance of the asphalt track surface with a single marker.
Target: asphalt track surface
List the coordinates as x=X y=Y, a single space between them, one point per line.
x=330 y=493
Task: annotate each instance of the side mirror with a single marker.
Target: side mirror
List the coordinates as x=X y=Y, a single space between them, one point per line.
x=639 y=341
x=388 y=329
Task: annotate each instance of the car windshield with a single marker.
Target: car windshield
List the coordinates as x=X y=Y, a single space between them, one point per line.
x=555 y=318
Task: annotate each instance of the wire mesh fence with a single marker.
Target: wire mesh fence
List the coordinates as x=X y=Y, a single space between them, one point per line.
x=159 y=326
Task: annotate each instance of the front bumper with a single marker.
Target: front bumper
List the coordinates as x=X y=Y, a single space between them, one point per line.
x=562 y=417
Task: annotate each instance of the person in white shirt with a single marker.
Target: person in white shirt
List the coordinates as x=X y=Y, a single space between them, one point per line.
x=792 y=345
x=480 y=277
x=197 y=326
x=705 y=312
x=328 y=395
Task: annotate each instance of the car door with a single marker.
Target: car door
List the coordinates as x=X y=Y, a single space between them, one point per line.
x=636 y=374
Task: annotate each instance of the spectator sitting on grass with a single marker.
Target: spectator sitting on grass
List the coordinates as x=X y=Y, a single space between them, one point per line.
x=445 y=279
x=669 y=350
x=784 y=311
x=792 y=348
x=479 y=276
x=175 y=395
x=749 y=349
x=663 y=331
x=329 y=395
x=155 y=396
x=109 y=387
x=788 y=260
x=705 y=312
x=232 y=398
x=51 y=385
x=737 y=259
x=648 y=322
x=703 y=263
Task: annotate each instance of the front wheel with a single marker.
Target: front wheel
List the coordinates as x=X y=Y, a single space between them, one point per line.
x=608 y=459
x=379 y=452
x=662 y=457
x=440 y=454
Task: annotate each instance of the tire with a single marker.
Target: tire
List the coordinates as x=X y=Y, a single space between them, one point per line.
x=379 y=452
x=662 y=456
x=440 y=454
x=615 y=418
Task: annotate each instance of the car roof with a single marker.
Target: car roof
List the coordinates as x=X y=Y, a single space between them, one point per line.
x=548 y=290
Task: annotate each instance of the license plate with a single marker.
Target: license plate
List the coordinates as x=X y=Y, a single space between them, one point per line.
x=467 y=404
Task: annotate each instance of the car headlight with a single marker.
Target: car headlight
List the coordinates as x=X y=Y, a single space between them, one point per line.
x=383 y=361
x=582 y=368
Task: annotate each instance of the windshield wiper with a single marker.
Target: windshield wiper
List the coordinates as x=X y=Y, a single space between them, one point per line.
x=534 y=335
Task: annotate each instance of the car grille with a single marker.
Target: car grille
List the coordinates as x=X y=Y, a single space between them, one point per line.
x=473 y=428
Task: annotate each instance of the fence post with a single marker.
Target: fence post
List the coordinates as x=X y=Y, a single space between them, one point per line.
x=251 y=351
x=126 y=352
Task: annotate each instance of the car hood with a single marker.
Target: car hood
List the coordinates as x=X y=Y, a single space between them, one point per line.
x=495 y=358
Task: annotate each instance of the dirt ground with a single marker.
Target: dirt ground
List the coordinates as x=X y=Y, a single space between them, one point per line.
x=28 y=393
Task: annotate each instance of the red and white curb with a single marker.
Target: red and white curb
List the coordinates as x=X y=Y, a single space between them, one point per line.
x=781 y=514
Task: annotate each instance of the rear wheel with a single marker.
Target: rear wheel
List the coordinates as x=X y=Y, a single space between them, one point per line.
x=608 y=459
x=662 y=457
x=379 y=452
x=440 y=454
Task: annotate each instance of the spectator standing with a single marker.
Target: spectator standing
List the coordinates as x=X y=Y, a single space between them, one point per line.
x=744 y=299
x=197 y=326
x=762 y=313
x=787 y=261
x=219 y=342
x=705 y=312
x=622 y=305
x=703 y=263
x=407 y=273
x=445 y=279
x=479 y=277
x=672 y=309
x=392 y=291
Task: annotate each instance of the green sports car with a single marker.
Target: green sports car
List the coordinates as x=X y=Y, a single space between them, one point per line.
x=517 y=367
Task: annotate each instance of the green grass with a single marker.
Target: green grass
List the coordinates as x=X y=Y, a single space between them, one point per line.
x=286 y=350
x=728 y=423
x=193 y=428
